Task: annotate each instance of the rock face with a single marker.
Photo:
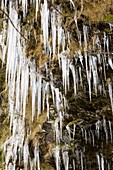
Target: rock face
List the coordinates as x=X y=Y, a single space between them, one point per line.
x=56 y=102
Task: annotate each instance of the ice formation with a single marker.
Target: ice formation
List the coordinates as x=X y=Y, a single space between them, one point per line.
x=22 y=76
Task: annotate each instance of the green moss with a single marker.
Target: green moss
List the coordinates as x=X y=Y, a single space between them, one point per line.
x=109 y=18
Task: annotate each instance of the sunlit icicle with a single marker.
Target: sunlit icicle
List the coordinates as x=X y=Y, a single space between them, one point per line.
x=105 y=129
x=26 y=155
x=98 y=125
x=88 y=73
x=63 y=41
x=74 y=77
x=59 y=30
x=2 y=42
x=89 y=83
x=53 y=23
x=98 y=161
x=85 y=31
x=69 y=132
x=74 y=165
x=93 y=138
x=102 y=162
x=110 y=94
x=71 y=1
x=110 y=62
x=57 y=100
x=61 y=119
x=43 y=94
x=65 y=159
x=11 y=42
x=74 y=128
x=24 y=87
x=65 y=71
x=110 y=128
x=57 y=157
x=47 y=98
x=36 y=161
x=57 y=132
x=53 y=92
x=44 y=23
x=80 y=75
x=82 y=165
x=94 y=72
x=39 y=86
x=33 y=89
x=24 y=7
x=37 y=7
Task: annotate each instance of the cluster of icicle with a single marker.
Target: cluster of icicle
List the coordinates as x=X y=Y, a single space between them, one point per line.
x=21 y=75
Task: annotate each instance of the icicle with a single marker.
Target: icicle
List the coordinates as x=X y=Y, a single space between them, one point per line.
x=105 y=129
x=47 y=98
x=74 y=127
x=44 y=23
x=24 y=6
x=94 y=72
x=65 y=159
x=53 y=23
x=110 y=128
x=61 y=118
x=65 y=71
x=110 y=94
x=82 y=166
x=74 y=77
x=39 y=84
x=59 y=30
x=98 y=160
x=33 y=88
x=57 y=132
x=24 y=87
x=85 y=31
x=26 y=155
x=110 y=62
x=102 y=162
x=57 y=157
x=98 y=124
x=69 y=132
x=37 y=6
x=72 y=3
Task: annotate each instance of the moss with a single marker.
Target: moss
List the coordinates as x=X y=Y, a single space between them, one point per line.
x=109 y=18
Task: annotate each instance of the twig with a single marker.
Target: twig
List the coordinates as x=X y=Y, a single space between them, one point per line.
x=13 y=24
